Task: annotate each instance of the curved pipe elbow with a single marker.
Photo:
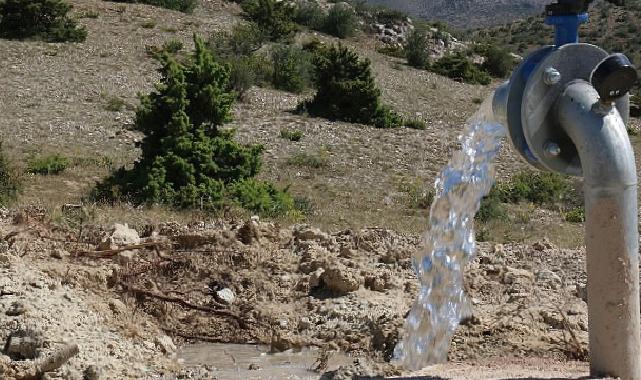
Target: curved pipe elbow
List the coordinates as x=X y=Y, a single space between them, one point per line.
x=600 y=136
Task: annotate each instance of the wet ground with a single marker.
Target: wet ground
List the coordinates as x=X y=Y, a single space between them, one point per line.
x=254 y=362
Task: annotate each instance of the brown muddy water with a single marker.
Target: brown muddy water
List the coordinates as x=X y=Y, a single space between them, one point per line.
x=233 y=361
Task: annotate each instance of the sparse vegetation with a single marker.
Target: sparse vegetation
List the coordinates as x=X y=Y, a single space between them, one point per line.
x=415 y=124
x=291 y=135
x=347 y=91
x=10 y=183
x=539 y=188
x=576 y=215
x=316 y=160
x=188 y=160
x=115 y=104
x=178 y=5
x=48 y=165
x=46 y=20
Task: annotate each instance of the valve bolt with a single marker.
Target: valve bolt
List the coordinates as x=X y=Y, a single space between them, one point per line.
x=552 y=149
x=552 y=76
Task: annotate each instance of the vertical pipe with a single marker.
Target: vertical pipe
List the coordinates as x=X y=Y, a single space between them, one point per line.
x=612 y=237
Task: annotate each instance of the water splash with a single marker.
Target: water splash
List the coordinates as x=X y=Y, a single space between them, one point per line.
x=449 y=245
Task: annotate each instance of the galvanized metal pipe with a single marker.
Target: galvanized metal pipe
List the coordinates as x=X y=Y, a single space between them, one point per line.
x=612 y=237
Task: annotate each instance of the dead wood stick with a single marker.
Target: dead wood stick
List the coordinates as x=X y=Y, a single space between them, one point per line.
x=50 y=362
x=113 y=252
x=180 y=301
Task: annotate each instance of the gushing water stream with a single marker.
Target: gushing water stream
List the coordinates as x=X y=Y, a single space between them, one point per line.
x=449 y=244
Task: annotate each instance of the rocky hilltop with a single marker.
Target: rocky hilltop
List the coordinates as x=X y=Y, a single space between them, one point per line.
x=459 y=12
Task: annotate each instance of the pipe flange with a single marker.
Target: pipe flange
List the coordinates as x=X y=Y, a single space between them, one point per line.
x=514 y=101
x=540 y=125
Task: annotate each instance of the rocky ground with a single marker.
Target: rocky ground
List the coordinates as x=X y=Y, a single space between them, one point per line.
x=117 y=293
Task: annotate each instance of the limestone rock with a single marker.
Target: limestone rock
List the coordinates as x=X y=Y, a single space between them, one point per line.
x=226 y=296
x=341 y=280
x=165 y=344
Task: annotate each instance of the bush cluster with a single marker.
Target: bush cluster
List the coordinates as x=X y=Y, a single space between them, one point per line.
x=287 y=67
x=347 y=91
x=459 y=67
x=539 y=188
x=293 y=68
x=416 y=49
x=340 y=21
x=187 y=159
x=178 y=5
x=274 y=19
x=47 y=20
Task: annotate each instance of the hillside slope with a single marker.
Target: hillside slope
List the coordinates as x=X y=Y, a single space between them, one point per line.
x=466 y=13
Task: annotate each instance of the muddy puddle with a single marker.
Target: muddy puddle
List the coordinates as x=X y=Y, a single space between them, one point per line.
x=233 y=361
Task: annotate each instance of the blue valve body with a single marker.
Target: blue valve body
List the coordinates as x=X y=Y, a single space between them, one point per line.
x=566 y=27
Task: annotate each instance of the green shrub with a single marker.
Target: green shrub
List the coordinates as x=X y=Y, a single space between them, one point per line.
x=244 y=39
x=291 y=135
x=537 y=187
x=416 y=196
x=576 y=215
x=498 y=62
x=385 y=118
x=115 y=104
x=262 y=198
x=48 y=165
x=293 y=68
x=459 y=67
x=317 y=160
x=491 y=207
x=178 y=5
x=40 y=19
x=346 y=89
x=416 y=50
x=310 y=14
x=340 y=21
x=248 y=71
x=415 y=124
x=274 y=18
x=187 y=159
x=10 y=183
x=149 y=24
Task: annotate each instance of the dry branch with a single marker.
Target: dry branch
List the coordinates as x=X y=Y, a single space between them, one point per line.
x=49 y=363
x=182 y=302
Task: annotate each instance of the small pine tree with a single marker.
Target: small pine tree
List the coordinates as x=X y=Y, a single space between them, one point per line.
x=43 y=19
x=498 y=62
x=416 y=50
x=346 y=89
x=187 y=159
x=273 y=17
x=340 y=21
x=293 y=68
